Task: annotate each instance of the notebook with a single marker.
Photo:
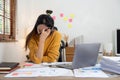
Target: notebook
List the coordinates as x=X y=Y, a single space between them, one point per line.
x=85 y=55
x=8 y=65
x=9 y=71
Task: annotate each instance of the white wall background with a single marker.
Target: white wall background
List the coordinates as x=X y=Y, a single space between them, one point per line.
x=1 y=52
x=96 y=20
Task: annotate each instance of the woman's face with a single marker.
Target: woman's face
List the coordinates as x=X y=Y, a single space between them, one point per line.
x=41 y=27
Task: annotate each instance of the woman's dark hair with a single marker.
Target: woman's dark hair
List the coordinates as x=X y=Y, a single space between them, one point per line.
x=55 y=28
x=42 y=19
x=49 y=12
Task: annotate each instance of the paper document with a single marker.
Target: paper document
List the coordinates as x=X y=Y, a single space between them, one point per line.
x=56 y=63
x=59 y=72
x=113 y=60
x=90 y=72
x=35 y=72
x=32 y=65
x=24 y=72
x=111 y=64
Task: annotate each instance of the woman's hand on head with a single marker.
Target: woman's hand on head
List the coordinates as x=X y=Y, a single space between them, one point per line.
x=45 y=33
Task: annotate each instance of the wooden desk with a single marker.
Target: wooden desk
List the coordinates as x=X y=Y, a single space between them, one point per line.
x=69 y=53
x=56 y=78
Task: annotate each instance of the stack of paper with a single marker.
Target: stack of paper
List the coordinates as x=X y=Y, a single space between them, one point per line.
x=111 y=64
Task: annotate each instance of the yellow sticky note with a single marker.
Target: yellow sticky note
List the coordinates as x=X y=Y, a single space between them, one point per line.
x=72 y=15
x=69 y=25
x=65 y=18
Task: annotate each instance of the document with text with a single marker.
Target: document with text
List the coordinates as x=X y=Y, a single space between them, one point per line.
x=90 y=72
x=35 y=72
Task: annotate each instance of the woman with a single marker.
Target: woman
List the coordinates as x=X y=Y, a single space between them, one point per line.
x=43 y=42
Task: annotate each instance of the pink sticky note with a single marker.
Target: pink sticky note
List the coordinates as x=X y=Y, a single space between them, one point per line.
x=28 y=64
x=15 y=74
x=61 y=14
x=70 y=20
x=54 y=17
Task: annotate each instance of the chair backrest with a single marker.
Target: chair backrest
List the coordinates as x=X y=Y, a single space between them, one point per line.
x=61 y=50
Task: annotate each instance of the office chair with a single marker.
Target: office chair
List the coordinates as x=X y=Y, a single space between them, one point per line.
x=62 y=56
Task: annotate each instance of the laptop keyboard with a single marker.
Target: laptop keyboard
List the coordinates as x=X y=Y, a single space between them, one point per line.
x=67 y=66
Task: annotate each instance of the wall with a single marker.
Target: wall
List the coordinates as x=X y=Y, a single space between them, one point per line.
x=95 y=20
x=14 y=52
x=1 y=52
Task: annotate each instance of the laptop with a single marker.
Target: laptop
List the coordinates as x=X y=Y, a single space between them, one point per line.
x=85 y=55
